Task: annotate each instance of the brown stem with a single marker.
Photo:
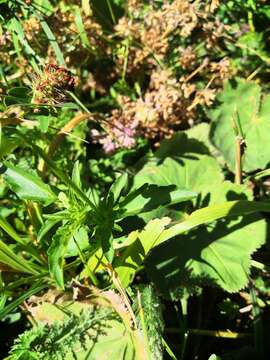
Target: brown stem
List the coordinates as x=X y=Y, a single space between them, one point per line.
x=239 y=149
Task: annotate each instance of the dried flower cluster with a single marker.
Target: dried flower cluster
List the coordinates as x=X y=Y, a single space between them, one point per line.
x=169 y=34
x=51 y=86
x=162 y=61
x=154 y=115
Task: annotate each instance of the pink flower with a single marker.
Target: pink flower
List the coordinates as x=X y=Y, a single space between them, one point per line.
x=117 y=136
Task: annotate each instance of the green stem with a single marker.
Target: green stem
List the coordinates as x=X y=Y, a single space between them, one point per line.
x=111 y=11
x=168 y=349
x=78 y=102
x=84 y=261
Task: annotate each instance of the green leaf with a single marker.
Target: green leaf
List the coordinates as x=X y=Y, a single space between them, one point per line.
x=139 y=244
x=192 y=172
x=44 y=6
x=182 y=143
x=17 y=31
x=80 y=27
x=103 y=235
x=118 y=186
x=154 y=196
x=50 y=223
x=44 y=122
x=53 y=42
x=7 y=146
x=244 y=100
x=15 y=262
x=76 y=175
x=35 y=289
x=82 y=241
x=216 y=253
x=13 y=100
x=82 y=329
x=27 y=185
x=57 y=252
x=21 y=92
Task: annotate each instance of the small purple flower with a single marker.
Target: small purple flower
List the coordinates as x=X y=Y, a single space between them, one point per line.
x=118 y=135
x=125 y=134
x=108 y=145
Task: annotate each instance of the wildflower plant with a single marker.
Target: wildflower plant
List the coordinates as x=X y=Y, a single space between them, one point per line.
x=134 y=179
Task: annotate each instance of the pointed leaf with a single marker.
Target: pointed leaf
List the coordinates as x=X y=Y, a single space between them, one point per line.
x=27 y=185
x=140 y=243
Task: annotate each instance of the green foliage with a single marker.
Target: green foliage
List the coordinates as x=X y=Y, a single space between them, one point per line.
x=153 y=320
x=63 y=340
x=218 y=254
x=241 y=101
x=117 y=168
x=139 y=244
x=27 y=185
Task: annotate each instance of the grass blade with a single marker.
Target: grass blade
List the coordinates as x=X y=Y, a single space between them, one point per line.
x=53 y=42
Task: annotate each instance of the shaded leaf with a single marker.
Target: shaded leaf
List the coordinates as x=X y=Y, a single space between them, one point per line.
x=216 y=253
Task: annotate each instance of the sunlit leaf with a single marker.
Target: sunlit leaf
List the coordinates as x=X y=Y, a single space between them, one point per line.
x=27 y=185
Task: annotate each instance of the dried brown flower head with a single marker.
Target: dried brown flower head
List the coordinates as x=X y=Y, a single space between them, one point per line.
x=50 y=87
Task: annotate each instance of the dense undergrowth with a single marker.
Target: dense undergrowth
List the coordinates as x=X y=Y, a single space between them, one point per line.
x=134 y=186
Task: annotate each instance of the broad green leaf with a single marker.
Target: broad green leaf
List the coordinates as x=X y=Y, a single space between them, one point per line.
x=182 y=143
x=13 y=100
x=192 y=172
x=115 y=343
x=215 y=212
x=243 y=100
x=154 y=196
x=218 y=252
x=139 y=244
x=181 y=168
x=225 y=191
x=214 y=255
x=201 y=133
x=27 y=185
